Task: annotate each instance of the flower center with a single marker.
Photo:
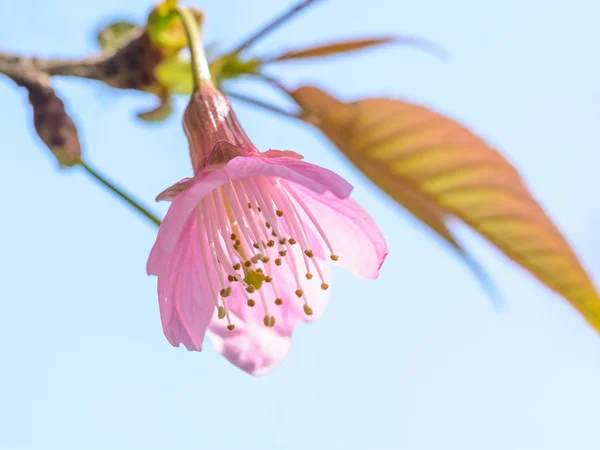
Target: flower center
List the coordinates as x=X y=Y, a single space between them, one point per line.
x=255 y=232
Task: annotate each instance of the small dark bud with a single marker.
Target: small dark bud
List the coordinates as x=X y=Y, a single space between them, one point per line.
x=54 y=126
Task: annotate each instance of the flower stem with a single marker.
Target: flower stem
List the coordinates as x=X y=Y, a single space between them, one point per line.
x=120 y=193
x=271 y=26
x=200 y=70
x=261 y=104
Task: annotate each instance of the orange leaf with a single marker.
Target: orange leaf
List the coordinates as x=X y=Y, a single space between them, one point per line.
x=425 y=160
x=354 y=45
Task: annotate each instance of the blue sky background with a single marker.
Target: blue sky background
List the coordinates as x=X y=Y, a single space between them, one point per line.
x=416 y=360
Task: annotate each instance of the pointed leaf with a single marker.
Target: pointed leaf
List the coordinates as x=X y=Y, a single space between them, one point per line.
x=353 y=45
x=112 y=36
x=401 y=144
x=160 y=112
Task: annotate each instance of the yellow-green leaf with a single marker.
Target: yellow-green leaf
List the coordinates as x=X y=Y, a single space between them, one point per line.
x=352 y=45
x=160 y=112
x=165 y=28
x=112 y=36
x=175 y=75
x=407 y=149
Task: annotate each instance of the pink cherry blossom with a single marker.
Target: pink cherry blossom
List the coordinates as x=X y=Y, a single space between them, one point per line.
x=245 y=248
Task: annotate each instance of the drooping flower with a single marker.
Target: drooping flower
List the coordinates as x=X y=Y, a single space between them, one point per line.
x=245 y=248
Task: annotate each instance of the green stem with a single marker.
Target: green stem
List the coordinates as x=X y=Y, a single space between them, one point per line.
x=120 y=193
x=200 y=70
x=271 y=26
x=261 y=104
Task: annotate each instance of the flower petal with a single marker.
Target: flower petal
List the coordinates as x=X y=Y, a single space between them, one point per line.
x=179 y=212
x=253 y=349
x=185 y=309
x=313 y=177
x=353 y=234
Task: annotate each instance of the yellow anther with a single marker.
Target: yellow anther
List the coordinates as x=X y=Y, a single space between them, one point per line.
x=334 y=257
x=231 y=327
x=272 y=321
x=279 y=213
x=221 y=312
x=271 y=243
x=251 y=303
x=279 y=301
x=233 y=236
x=308 y=310
x=299 y=292
x=267 y=321
x=250 y=289
x=277 y=261
x=309 y=276
x=237 y=266
x=248 y=263
x=282 y=252
x=292 y=241
x=265 y=259
x=308 y=252
x=324 y=286
x=268 y=279
x=226 y=292
x=282 y=241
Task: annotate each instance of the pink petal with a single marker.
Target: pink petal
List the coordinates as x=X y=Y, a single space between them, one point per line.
x=253 y=349
x=313 y=177
x=185 y=309
x=353 y=234
x=181 y=207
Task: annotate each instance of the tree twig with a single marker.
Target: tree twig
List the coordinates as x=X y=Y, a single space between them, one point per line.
x=271 y=26
x=261 y=104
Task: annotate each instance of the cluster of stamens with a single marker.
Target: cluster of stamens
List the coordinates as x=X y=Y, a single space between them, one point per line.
x=249 y=228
